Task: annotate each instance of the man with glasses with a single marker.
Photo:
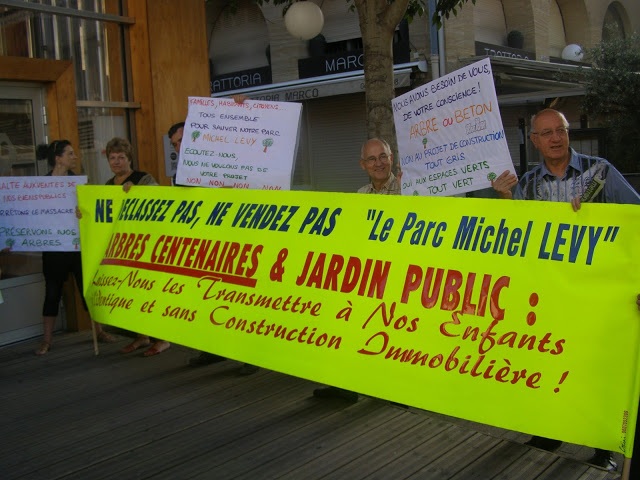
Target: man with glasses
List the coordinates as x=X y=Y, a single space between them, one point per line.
x=566 y=176
x=377 y=160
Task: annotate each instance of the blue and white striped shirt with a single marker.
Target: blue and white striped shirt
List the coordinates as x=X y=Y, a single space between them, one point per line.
x=593 y=179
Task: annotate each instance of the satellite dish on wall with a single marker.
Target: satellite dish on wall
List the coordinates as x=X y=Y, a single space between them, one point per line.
x=572 y=52
x=304 y=20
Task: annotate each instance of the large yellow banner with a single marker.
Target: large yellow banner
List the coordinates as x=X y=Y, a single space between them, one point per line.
x=515 y=314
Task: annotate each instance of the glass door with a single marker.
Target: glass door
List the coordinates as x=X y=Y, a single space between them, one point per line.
x=22 y=128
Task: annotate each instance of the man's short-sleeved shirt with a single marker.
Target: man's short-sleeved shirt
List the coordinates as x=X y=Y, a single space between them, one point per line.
x=391 y=187
x=593 y=179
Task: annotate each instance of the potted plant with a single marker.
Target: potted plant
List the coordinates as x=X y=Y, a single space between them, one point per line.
x=515 y=39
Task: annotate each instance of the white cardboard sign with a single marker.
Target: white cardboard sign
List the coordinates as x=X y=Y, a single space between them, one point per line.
x=239 y=145
x=450 y=134
x=39 y=213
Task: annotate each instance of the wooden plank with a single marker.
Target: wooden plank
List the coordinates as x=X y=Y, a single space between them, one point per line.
x=144 y=135
x=595 y=474
x=494 y=461
x=423 y=454
x=21 y=69
x=284 y=432
x=180 y=62
x=317 y=453
x=155 y=440
x=563 y=468
x=454 y=460
x=379 y=452
x=134 y=431
x=529 y=466
x=77 y=433
x=71 y=415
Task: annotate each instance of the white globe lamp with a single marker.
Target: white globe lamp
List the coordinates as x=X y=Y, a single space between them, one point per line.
x=572 y=52
x=304 y=20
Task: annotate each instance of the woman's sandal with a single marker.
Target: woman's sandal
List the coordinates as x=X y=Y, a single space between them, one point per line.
x=158 y=347
x=43 y=348
x=105 y=337
x=137 y=343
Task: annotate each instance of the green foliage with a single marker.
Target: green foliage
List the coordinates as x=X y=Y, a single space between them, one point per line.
x=444 y=8
x=613 y=95
x=515 y=37
x=415 y=9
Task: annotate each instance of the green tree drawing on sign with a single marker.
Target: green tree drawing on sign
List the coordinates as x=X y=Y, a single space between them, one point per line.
x=266 y=143
x=76 y=242
x=194 y=135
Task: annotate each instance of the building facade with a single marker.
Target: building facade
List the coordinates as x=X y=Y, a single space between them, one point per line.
x=536 y=74
x=525 y=40
x=89 y=70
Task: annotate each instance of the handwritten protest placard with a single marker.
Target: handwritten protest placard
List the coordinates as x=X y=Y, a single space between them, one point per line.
x=450 y=134
x=448 y=304
x=38 y=213
x=240 y=145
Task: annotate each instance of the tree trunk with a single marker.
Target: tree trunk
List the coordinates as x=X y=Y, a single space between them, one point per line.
x=378 y=21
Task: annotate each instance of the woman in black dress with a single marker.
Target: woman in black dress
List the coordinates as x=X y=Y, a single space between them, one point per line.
x=56 y=266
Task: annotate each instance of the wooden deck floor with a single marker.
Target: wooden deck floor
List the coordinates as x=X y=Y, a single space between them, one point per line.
x=73 y=415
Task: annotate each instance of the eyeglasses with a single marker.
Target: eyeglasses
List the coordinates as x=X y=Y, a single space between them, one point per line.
x=546 y=134
x=383 y=157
